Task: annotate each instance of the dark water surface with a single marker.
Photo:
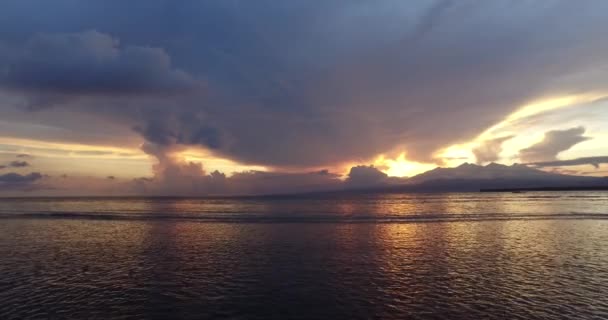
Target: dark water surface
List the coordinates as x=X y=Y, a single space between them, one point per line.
x=416 y=256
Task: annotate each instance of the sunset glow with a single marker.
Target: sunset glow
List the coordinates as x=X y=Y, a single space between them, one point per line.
x=401 y=167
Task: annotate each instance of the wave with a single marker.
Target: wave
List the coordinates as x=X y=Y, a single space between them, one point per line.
x=540 y=197
x=250 y=218
x=588 y=197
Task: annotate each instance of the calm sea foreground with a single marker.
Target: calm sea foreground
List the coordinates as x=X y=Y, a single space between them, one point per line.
x=418 y=256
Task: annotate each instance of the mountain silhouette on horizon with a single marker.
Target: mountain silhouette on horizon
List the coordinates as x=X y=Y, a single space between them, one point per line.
x=490 y=171
x=471 y=177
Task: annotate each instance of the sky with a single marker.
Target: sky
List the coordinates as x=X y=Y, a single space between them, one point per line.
x=239 y=97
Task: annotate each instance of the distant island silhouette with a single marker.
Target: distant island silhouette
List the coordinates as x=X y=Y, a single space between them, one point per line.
x=490 y=178
x=573 y=188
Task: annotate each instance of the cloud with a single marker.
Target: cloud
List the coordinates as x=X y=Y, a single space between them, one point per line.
x=19 y=164
x=301 y=84
x=256 y=182
x=555 y=142
x=566 y=171
x=366 y=176
x=455 y=158
x=490 y=150
x=90 y=62
x=594 y=161
x=3 y=167
x=14 y=181
x=175 y=177
x=18 y=178
x=24 y=155
x=76 y=185
x=93 y=153
x=595 y=172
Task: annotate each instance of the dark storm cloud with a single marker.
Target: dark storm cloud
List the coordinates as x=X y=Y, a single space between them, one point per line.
x=91 y=62
x=301 y=83
x=555 y=142
x=594 y=161
x=490 y=150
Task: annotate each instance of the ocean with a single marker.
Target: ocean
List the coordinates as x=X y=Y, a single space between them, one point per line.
x=535 y=255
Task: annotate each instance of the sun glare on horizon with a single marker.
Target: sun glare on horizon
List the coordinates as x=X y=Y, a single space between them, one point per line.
x=401 y=166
